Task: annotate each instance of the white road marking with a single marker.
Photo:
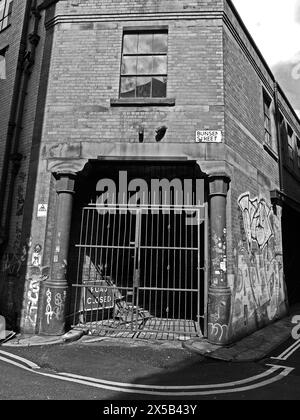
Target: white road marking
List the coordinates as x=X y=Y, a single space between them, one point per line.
x=288 y=352
x=21 y=359
x=12 y=362
x=167 y=390
x=291 y=352
x=167 y=387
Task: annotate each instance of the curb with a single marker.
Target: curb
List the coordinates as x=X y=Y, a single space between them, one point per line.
x=252 y=348
x=69 y=337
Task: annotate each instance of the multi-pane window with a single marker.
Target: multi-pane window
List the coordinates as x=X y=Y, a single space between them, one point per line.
x=144 y=65
x=267 y=119
x=2 y=65
x=298 y=152
x=5 y=13
x=290 y=134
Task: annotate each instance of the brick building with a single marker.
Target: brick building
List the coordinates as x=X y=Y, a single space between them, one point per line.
x=99 y=99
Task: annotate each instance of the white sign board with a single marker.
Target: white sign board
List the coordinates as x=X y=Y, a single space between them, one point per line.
x=42 y=210
x=208 y=136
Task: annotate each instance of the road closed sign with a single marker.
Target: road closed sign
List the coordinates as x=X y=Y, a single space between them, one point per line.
x=98 y=296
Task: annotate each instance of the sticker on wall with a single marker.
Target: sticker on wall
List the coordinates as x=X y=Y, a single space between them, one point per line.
x=37 y=256
x=208 y=136
x=42 y=210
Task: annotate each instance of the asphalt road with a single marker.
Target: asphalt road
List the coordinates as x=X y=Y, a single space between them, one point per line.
x=116 y=371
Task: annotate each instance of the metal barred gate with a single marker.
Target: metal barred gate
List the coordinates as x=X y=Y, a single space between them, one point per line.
x=142 y=271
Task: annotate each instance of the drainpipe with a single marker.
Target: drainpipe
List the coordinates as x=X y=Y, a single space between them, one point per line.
x=12 y=157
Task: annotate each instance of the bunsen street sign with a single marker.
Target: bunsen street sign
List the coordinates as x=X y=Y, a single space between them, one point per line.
x=208 y=136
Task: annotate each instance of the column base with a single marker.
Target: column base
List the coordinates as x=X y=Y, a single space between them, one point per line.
x=54 y=310
x=219 y=308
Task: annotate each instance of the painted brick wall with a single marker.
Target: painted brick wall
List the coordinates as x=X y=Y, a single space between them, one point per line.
x=255 y=263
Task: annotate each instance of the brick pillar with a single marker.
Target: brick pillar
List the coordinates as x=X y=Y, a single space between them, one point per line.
x=56 y=287
x=219 y=294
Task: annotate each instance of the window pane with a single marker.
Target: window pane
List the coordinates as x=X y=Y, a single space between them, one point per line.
x=267 y=124
x=143 y=89
x=145 y=65
x=130 y=44
x=129 y=65
x=160 y=65
x=1 y=9
x=5 y=22
x=267 y=138
x=2 y=67
x=266 y=109
x=159 y=87
x=128 y=85
x=160 y=43
x=145 y=43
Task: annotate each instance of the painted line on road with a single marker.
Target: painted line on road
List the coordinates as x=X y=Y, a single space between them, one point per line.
x=169 y=387
x=286 y=371
x=157 y=387
x=291 y=352
x=12 y=362
x=21 y=359
x=288 y=352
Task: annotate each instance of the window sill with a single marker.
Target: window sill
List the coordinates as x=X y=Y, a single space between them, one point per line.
x=6 y=27
x=143 y=102
x=271 y=152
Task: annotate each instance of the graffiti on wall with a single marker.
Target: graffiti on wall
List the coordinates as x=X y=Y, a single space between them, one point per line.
x=16 y=254
x=259 y=287
x=35 y=276
x=219 y=259
x=32 y=298
x=256 y=215
x=55 y=306
x=16 y=257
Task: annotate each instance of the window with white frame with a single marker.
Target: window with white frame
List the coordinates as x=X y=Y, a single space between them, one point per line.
x=5 y=13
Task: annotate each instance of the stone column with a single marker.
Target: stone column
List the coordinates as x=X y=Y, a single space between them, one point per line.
x=219 y=294
x=56 y=287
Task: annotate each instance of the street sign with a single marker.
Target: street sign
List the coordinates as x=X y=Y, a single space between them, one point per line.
x=98 y=295
x=208 y=136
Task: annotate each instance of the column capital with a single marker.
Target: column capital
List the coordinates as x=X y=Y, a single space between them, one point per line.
x=218 y=184
x=65 y=182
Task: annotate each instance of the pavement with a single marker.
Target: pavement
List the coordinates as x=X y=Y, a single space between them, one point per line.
x=255 y=347
x=252 y=348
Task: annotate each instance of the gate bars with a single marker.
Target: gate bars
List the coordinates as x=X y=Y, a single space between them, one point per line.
x=142 y=271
